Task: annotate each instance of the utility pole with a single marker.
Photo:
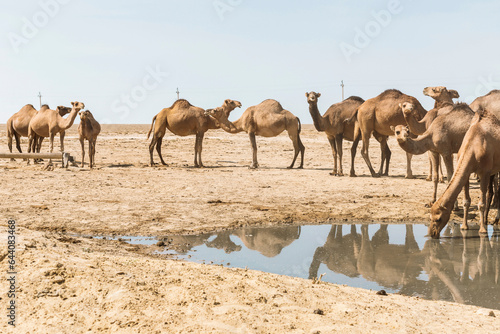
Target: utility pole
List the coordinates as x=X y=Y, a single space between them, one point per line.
x=342 y=85
x=177 y=93
x=40 y=98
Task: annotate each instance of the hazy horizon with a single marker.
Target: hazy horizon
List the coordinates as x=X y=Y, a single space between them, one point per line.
x=125 y=59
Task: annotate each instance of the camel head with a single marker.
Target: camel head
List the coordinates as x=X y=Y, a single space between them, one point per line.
x=85 y=114
x=401 y=131
x=439 y=218
x=229 y=105
x=78 y=105
x=441 y=93
x=407 y=108
x=312 y=97
x=62 y=110
x=217 y=113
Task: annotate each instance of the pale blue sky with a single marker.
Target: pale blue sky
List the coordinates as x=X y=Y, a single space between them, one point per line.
x=102 y=52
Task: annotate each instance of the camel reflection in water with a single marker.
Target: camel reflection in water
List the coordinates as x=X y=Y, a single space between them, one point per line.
x=464 y=268
x=461 y=266
x=269 y=241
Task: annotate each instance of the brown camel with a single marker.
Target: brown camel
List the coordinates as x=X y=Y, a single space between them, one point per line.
x=88 y=129
x=490 y=102
x=334 y=124
x=378 y=115
x=18 y=124
x=479 y=153
x=443 y=137
x=184 y=119
x=48 y=123
x=267 y=119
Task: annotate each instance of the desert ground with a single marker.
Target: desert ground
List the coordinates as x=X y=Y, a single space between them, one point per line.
x=69 y=283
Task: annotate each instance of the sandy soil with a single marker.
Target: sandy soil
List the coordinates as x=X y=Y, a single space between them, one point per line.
x=75 y=284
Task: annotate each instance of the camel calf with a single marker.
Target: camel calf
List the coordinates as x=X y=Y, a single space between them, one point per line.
x=88 y=129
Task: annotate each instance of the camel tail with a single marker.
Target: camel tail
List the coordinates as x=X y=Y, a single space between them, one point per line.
x=151 y=129
x=300 y=125
x=352 y=118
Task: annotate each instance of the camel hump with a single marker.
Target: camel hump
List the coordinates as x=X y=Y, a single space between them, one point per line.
x=181 y=103
x=270 y=103
x=494 y=91
x=391 y=93
x=462 y=106
x=355 y=98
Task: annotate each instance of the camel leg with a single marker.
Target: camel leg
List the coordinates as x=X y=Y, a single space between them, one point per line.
x=429 y=176
x=196 y=143
x=17 y=137
x=339 y=151
x=354 y=148
x=302 y=149
x=485 y=179
x=297 y=147
x=466 y=205
x=154 y=140
x=254 y=150
x=387 y=159
x=441 y=176
x=93 y=151
x=333 y=144
x=383 y=155
x=158 y=149
x=61 y=136
x=497 y=200
x=197 y=149
x=83 y=151
x=364 y=153
x=489 y=198
x=409 y=173
x=435 y=179
x=90 y=153
x=448 y=163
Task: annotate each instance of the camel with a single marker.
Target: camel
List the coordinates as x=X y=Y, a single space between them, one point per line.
x=88 y=129
x=441 y=96
x=268 y=241
x=443 y=137
x=18 y=124
x=184 y=119
x=48 y=123
x=479 y=153
x=267 y=119
x=378 y=114
x=490 y=102
x=334 y=124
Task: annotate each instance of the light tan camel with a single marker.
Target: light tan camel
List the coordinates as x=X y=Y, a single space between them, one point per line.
x=88 y=129
x=443 y=137
x=334 y=124
x=48 y=123
x=378 y=115
x=479 y=153
x=441 y=96
x=18 y=124
x=490 y=102
x=267 y=119
x=184 y=119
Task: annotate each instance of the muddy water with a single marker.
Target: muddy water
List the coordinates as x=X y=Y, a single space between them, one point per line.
x=461 y=267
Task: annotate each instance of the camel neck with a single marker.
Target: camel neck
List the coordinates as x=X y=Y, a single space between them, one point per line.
x=466 y=165
x=231 y=127
x=68 y=122
x=416 y=127
x=416 y=146
x=318 y=120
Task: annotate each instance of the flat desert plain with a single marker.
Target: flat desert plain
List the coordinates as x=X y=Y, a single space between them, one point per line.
x=68 y=283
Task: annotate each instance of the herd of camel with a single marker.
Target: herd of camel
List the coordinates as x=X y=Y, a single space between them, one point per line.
x=472 y=131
